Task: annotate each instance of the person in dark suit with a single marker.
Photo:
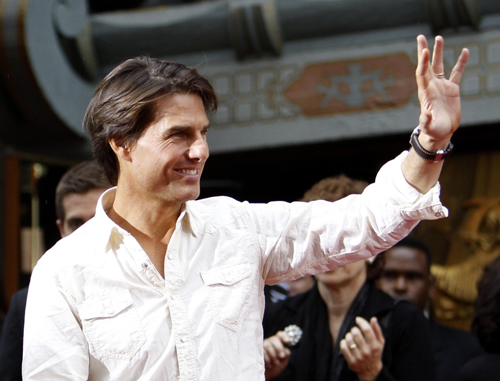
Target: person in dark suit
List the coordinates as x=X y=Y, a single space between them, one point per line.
x=343 y=316
x=486 y=326
x=76 y=198
x=406 y=275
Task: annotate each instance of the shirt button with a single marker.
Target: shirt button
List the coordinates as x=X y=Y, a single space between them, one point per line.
x=183 y=339
x=170 y=256
x=144 y=265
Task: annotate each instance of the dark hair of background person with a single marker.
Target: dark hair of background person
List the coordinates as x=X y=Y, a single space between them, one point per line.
x=79 y=179
x=125 y=103
x=419 y=245
x=486 y=322
x=379 y=262
x=335 y=188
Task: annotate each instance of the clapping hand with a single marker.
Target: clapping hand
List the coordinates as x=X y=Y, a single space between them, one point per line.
x=276 y=354
x=362 y=348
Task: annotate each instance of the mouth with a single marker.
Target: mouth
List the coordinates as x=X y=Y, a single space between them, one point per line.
x=191 y=172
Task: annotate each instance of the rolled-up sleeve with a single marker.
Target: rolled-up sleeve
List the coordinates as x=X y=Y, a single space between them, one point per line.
x=301 y=238
x=54 y=344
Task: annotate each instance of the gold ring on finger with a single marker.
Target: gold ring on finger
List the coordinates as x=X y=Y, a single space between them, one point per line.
x=439 y=75
x=353 y=346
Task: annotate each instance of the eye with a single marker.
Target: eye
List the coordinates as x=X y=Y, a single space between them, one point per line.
x=389 y=275
x=75 y=223
x=415 y=276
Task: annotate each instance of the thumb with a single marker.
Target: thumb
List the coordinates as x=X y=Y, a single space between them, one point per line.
x=424 y=120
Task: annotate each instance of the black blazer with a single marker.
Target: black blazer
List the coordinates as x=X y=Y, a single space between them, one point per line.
x=452 y=349
x=11 y=343
x=407 y=355
x=485 y=367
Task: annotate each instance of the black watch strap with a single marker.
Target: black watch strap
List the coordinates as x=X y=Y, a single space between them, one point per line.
x=434 y=156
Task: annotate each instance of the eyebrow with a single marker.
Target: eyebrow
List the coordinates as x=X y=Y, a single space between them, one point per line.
x=183 y=128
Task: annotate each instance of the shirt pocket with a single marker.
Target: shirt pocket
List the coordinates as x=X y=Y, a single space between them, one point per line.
x=112 y=326
x=229 y=293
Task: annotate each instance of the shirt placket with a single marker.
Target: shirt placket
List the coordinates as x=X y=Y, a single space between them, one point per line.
x=178 y=309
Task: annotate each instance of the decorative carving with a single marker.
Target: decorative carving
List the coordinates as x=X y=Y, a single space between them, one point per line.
x=345 y=86
x=456 y=283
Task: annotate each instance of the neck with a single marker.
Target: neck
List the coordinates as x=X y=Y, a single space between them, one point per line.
x=338 y=299
x=147 y=216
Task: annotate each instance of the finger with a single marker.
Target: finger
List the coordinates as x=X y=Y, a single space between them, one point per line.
x=270 y=351
x=421 y=44
x=424 y=120
x=282 y=335
x=352 y=346
x=377 y=330
x=423 y=72
x=359 y=340
x=367 y=330
x=437 y=56
x=346 y=351
x=456 y=73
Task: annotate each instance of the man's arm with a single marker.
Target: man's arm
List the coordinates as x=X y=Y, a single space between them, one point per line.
x=440 y=111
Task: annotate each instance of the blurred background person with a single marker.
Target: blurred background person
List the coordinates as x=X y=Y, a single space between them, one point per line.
x=407 y=275
x=350 y=329
x=486 y=326
x=76 y=198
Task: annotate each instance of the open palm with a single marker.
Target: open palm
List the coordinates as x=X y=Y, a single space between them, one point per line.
x=439 y=97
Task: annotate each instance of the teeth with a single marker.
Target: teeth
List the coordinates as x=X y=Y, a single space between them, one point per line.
x=188 y=171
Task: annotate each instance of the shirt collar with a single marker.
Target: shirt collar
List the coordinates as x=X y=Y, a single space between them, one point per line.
x=107 y=226
x=191 y=218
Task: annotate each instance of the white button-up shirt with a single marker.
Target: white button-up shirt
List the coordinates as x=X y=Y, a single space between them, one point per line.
x=99 y=310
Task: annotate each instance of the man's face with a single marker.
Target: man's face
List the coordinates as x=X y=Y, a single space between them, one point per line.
x=78 y=209
x=166 y=162
x=406 y=275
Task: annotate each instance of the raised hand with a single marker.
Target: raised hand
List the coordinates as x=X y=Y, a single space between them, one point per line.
x=362 y=348
x=439 y=97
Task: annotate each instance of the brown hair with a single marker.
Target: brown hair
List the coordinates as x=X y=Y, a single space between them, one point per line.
x=125 y=102
x=334 y=188
x=79 y=179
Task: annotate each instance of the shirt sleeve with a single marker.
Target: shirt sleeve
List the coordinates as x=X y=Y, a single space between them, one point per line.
x=54 y=344
x=299 y=238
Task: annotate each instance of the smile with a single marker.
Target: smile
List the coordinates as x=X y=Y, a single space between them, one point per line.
x=188 y=171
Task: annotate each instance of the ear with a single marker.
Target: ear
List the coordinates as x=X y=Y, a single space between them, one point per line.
x=60 y=227
x=122 y=152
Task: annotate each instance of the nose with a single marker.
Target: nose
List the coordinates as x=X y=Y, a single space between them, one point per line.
x=401 y=285
x=198 y=150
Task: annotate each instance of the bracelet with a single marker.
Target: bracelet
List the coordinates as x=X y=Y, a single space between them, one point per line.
x=434 y=156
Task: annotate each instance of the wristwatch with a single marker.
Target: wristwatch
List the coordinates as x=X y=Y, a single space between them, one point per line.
x=434 y=156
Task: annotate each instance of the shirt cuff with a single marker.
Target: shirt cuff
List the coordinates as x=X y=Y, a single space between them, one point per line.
x=414 y=205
